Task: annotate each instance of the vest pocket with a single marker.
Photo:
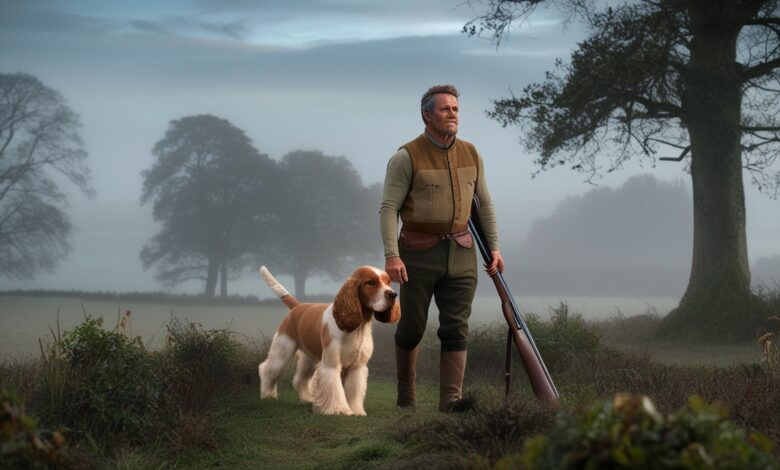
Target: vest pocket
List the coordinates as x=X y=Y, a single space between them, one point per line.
x=431 y=194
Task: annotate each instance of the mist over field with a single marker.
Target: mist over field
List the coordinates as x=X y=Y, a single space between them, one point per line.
x=345 y=82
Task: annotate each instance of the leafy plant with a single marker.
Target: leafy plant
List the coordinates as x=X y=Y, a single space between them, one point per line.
x=628 y=432
x=112 y=386
x=21 y=445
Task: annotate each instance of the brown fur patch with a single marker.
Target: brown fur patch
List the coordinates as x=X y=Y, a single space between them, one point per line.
x=303 y=325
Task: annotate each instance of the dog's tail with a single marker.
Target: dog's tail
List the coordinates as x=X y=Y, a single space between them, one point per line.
x=278 y=289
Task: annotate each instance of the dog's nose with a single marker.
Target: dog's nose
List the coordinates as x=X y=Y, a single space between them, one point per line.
x=392 y=294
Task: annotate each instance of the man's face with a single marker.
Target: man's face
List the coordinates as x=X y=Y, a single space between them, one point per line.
x=444 y=117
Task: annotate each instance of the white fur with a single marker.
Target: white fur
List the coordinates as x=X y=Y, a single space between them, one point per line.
x=335 y=385
x=282 y=349
x=275 y=285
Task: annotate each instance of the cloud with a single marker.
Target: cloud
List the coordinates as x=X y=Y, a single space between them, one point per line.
x=298 y=23
x=23 y=16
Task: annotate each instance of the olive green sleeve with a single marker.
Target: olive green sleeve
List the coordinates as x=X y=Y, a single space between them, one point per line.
x=487 y=212
x=397 y=181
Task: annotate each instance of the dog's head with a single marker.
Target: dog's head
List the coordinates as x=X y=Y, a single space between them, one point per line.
x=367 y=291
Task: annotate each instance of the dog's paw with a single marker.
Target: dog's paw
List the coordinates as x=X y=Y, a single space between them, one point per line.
x=266 y=394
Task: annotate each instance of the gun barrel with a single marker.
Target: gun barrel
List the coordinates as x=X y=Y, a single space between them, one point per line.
x=541 y=381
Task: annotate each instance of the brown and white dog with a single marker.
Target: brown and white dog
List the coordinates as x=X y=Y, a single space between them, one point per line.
x=332 y=342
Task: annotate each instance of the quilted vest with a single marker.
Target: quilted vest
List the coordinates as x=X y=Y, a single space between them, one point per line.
x=443 y=182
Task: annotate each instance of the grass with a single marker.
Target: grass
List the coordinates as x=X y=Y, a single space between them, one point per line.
x=284 y=433
x=238 y=430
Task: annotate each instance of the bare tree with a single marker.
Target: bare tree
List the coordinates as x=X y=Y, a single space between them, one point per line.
x=699 y=76
x=38 y=139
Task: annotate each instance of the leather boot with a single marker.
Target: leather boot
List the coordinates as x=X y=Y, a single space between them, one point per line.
x=452 y=366
x=406 y=364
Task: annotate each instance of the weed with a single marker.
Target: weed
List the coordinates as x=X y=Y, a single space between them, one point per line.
x=769 y=339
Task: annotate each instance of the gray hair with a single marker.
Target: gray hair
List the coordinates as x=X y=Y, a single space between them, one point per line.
x=426 y=103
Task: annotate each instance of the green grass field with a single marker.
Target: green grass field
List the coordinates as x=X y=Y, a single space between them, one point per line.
x=239 y=430
x=284 y=433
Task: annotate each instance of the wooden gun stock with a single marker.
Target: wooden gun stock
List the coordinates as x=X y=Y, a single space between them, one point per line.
x=541 y=382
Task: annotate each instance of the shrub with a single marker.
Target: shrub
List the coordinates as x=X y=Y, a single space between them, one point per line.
x=103 y=384
x=622 y=330
x=198 y=364
x=495 y=428
x=22 y=445
x=629 y=433
x=565 y=336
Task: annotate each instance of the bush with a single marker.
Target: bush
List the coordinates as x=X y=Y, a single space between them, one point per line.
x=479 y=438
x=101 y=383
x=565 y=336
x=629 y=433
x=22 y=446
x=199 y=364
x=623 y=330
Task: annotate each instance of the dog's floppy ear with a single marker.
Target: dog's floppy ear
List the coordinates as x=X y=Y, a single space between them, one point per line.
x=389 y=316
x=346 y=308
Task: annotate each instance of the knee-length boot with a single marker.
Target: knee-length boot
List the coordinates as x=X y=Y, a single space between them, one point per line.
x=452 y=366
x=406 y=364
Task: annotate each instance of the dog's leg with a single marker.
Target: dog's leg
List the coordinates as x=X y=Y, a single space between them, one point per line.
x=328 y=391
x=282 y=349
x=355 y=385
x=303 y=374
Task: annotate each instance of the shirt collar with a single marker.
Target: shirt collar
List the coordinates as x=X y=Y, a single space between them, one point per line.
x=437 y=143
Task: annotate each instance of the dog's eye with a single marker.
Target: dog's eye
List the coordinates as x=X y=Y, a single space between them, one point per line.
x=371 y=282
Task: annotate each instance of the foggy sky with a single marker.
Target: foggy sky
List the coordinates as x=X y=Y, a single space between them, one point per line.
x=339 y=76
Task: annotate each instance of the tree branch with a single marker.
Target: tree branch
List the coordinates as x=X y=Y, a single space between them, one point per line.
x=653 y=107
x=759 y=128
x=763 y=21
x=679 y=158
x=760 y=69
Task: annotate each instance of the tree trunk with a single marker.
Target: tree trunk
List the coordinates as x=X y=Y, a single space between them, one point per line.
x=223 y=291
x=300 y=276
x=211 y=278
x=718 y=302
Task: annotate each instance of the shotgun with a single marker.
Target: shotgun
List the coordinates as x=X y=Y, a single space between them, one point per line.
x=541 y=382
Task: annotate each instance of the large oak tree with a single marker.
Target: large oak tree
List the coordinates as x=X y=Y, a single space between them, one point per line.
x=699 y=76
x=212 y=191
x=325 y=216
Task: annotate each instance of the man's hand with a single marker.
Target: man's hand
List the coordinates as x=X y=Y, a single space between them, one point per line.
x=497 y=266
x=396 y=269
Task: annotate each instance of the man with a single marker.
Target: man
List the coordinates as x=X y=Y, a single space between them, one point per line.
x=430 y=183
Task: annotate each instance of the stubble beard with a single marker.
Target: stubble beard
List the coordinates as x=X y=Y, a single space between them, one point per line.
x=447 y=130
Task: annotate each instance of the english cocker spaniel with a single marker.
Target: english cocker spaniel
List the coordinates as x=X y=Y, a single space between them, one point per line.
x=332 y=342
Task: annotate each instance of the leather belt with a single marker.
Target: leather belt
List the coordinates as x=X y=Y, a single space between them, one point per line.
x=419 y=241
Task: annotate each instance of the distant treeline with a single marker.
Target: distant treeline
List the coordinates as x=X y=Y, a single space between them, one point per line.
x=156 y=297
